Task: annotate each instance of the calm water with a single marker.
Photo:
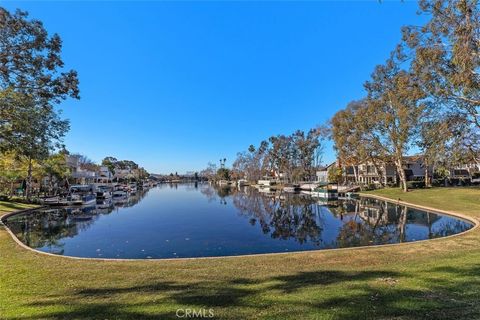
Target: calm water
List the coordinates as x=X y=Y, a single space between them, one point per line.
x=198 y=221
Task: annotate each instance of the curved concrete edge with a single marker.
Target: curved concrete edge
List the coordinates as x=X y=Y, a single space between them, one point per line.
x=473 y=220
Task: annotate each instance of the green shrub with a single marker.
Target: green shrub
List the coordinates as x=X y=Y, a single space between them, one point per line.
x=415 y=184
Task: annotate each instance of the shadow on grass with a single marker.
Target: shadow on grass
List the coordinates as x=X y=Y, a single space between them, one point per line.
x=446 y=293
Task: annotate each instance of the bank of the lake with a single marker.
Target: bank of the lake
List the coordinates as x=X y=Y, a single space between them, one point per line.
x=432 y=279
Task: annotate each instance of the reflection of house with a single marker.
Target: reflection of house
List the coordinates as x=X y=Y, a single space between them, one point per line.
x=376 y=212
x=373 y=212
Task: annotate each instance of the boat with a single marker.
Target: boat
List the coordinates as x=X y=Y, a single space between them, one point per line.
x=120 y=191
x=325 y=192
x=351 y=195
x=224 y=183
x=82 y=218
x=104 y=204
x=81 y=195
x=242 y=183
x=266 y=182
x=82 y=200
x=104 y=192
x=55 y=201
x=291 y=188
x=119 y=194
x=132 y=188
x=309 y=186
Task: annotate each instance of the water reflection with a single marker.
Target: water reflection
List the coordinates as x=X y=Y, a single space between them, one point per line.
x=180 y=220
x=45 y=228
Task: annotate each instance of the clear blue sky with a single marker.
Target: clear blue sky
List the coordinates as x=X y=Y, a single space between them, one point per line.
x=173 y=85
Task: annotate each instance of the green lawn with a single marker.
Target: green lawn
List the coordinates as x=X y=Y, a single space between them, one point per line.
x=427 y=280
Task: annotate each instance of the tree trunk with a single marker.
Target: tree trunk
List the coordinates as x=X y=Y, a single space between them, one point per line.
x=402 y=223
x=29 y=180
x=428 y=183
x=379 y=171
x=355 y=173
x=401 y=174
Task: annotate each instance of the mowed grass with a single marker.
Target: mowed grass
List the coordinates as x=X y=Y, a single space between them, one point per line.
x=437 y=279
x=6 y=206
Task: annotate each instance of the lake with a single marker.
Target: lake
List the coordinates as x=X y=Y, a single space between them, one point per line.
x=198 y=220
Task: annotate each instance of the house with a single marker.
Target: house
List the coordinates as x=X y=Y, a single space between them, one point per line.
x=104 y=175
x=322 y=173
x=465 y=172
x=79 y=175
x=368 y=173
x=385 y=172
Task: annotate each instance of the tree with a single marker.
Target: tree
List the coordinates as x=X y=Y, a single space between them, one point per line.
x=33 y=142
x=281 y=155
x=210 y=171
x=84 y=162
x=110 y=163
x=32 y=81
x=334 y=174
x=305 y=148
x=55 y=168
x=348 y=135
x=253 y=163
x=394 y=110
x=446 y=60
x=30 y=60
x=11 y=171
x=433 y=141
x=223 y=174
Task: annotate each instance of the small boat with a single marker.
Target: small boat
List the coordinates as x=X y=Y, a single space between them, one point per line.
x=119 y=194
x=291 y=188
x=224 y=183
x=325 y=193
x=267 y=182
x=132 y=188
x=351 y=195
x=242 y=183
x=82 y=218
x=88 y=199
x=104 y=192
x=105 y=204
x=55 y=201
x=310 y=186
x=81 y=200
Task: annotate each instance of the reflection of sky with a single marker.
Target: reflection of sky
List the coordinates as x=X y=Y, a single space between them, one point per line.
x=183 y=221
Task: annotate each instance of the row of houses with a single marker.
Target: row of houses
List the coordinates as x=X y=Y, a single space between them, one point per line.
x=386 y=173
x=101 y=174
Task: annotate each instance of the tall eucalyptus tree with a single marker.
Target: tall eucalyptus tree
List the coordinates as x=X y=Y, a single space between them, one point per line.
x=395 y=105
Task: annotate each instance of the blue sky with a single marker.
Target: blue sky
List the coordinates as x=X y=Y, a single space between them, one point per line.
x=174 y=85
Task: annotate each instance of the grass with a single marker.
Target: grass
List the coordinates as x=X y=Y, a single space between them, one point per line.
x=426 y=280
x=6 y=206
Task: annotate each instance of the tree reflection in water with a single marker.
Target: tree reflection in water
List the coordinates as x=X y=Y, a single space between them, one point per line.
x=45 y=228
x=282 y=215
x=363 y=222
